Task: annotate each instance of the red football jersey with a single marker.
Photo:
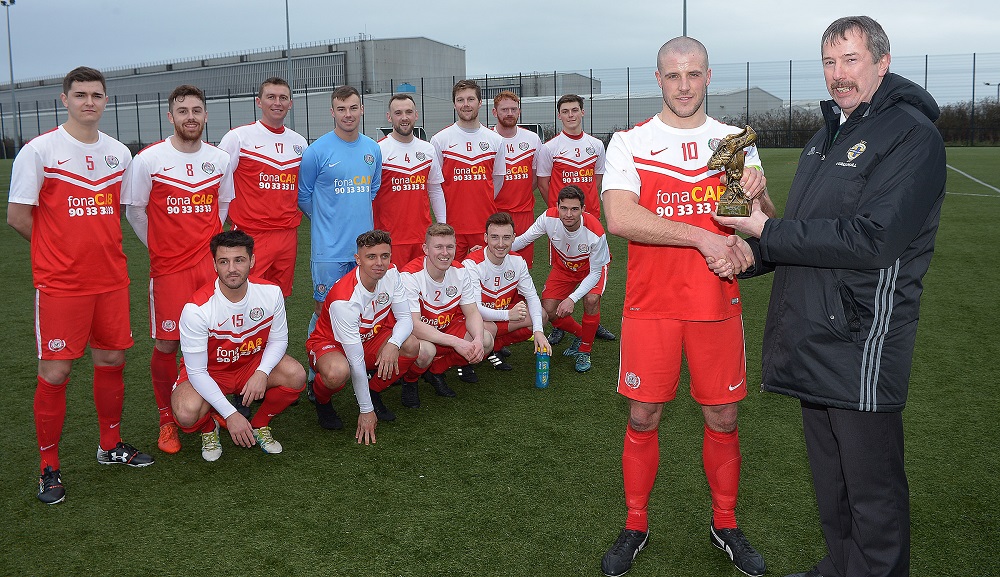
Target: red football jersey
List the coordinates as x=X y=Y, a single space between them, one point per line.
x=520 y=154
x=469 y=161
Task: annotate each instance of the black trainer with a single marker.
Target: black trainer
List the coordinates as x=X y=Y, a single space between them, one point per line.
x=467 y=374
x=123 y=454
x=604 y=334
x=309 y=391
x=242 y=409
x=50 y=487
x=738 y=547
x=498 y=363
x=440 y=386
x=556 y=336
x=328 y=417
x=504 y=352
x=618 y=560
x=381 y=411
x=410 y=396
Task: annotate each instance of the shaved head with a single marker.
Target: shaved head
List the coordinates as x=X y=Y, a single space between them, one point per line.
x=681 y=45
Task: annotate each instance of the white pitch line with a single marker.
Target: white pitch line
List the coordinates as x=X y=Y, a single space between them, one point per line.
x=974 y=179
x=972 y=194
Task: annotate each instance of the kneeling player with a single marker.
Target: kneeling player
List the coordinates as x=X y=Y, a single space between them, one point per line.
x=580 y=260
x=442 y=297
x=365 y=325
x=508 y=294
x=234 y=336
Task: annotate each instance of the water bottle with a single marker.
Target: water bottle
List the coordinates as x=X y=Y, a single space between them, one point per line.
x=542 y=369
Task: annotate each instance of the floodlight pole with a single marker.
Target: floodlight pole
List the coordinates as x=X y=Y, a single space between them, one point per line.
x=997 y=84
x=13 y=96
x=685 y=18
x=288 y=65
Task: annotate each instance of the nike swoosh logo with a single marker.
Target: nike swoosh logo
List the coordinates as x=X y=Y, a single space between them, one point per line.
x=47 y=447
x=391 y=158
x=166 y=169
x=736 y=386
x=655 y=152
x=563 y=151
x=223 y=322
x=255 y=147
x=113 y=426
x=62 y=162
x=334 y=164
x=452 y=145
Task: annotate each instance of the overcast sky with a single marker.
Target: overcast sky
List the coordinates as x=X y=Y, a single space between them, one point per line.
x=51 y=37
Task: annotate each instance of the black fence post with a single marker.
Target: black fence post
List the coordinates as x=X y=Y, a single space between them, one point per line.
x=3 y=133
x=159 y=115
x=972 y=119
x=789 y=143
x=138 y=123
x=118 y=129
x=306 y=96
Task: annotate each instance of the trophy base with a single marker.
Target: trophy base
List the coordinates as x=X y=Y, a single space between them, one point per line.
x=733 y=209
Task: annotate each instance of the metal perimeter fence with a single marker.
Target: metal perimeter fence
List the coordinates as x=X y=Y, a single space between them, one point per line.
x=780 y=99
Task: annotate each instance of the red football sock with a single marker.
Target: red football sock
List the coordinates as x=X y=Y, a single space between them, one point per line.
x=50 y=412
x=640 y=462
x=276 y=399
x=109 y=388
x=721 y=456
x=445 y=361
x=590 y=323
x=413 y=373
x=521 y=334
x=163 y=369
x=205 y=424
x=378 y=384
x=568 y=324
x=321 y=391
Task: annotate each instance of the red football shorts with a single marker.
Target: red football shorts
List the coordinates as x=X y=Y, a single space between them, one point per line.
x=229 y=381
x=464 y=242
x=561 y=284
x=522 y=222
x=64 y=325
x=651 y=359
x=372 y=346
x=404 y=253
x=274 y=257
x=169 y=293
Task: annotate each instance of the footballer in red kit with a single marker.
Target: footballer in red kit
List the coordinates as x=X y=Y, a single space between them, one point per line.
x=177 y=192
x=234 y=335
x=520 y=148
x=64 y=199
x=572 y=157
x=659 y=194
x=411 y=183
x=264 y=161
x=473 y=165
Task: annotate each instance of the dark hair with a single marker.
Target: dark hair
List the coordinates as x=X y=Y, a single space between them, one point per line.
x=569 y=192
x=465 y=85
x=499 y=219
x=275 y=81
x=567 y=98
x=401 y=96
x=439 y=229
x=83 y=74
x=182 y=92
x=875 y=37
x=231 y=239
x=373 y=238
x=342 y=93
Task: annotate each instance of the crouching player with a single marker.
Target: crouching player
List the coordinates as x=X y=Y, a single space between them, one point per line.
x=508 y=295
x=365 y=325
x=442 y=297
x=580 y=260
x=233 y=337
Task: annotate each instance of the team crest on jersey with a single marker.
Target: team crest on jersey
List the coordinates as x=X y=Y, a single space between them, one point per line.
x=590 y=150
x=420 y=156
x=484 y=145
x=56 y=345
x=112 y=160
x=508 y=274
x=297 y=148
x=523 y=146
x=713 y=143
x=583 y=248
x=256 y=314
x=451 y=291
x=383 y=298
x=168 y=325
x=208 y=167
x=369 y=159
x=856 y=150
x=632 y=380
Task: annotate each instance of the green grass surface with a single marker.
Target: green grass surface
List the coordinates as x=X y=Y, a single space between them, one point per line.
x=505 y=479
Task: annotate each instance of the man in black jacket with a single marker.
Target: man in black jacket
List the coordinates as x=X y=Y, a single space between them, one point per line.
x=849 y=255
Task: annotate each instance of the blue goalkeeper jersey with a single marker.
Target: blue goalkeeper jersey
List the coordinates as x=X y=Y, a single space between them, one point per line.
x=337 y=183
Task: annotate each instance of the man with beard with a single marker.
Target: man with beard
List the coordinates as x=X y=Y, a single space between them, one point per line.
x=411 y=183
x=177 y=194
x=234 y=336
x=517 y=196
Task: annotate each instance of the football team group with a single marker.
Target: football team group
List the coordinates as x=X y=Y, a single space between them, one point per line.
x=401 y=297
